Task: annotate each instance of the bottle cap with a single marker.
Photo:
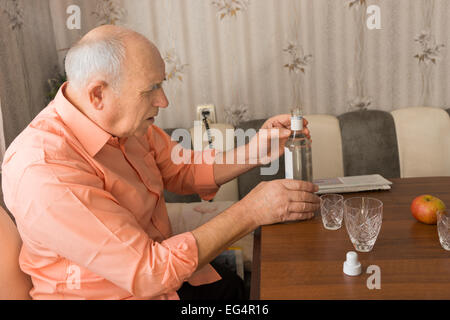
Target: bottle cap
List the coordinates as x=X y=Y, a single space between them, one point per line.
x=296 y=123
x=296 y=120
x=352 y=266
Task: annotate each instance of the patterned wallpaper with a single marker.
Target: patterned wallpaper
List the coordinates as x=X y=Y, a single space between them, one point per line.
x=257 y=58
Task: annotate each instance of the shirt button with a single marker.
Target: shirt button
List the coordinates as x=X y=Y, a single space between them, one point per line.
x=183 y=246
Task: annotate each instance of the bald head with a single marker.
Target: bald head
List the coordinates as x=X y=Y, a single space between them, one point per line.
x=115 y=78
x=116 y=32
x=104 y=52
x=107 y=31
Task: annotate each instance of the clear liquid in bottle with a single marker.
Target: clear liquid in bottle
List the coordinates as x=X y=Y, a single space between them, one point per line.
x=297 y=151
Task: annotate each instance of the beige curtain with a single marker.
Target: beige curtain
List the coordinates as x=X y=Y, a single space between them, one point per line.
x=243 y=55
x=236 y=59
x=27 y=59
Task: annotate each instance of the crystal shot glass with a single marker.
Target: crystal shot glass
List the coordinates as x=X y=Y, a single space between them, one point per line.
x=332 y=210
x=443 y=227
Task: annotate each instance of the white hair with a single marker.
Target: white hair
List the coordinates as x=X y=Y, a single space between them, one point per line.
x=96 y=57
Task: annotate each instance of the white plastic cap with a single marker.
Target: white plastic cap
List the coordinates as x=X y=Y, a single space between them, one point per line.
x=352 y=266
x=297 y=123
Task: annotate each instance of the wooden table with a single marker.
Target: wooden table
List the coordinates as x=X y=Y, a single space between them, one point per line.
x=303 y=260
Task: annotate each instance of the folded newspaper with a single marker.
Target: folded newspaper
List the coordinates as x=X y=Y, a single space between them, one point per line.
x=352 y=184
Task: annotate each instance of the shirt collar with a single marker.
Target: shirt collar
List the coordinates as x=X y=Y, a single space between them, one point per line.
x=91 y=136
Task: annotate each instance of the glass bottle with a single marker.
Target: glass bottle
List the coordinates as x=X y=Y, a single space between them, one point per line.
x=297 y=151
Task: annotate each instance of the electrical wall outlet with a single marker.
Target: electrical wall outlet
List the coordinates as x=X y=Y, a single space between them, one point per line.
x=212 y=112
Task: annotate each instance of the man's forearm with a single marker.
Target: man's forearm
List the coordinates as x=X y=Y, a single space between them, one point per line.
x=231 y=164
x=216 y=235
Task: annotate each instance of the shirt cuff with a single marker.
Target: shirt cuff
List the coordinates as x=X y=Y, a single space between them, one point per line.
x=183 y=261
x=204 y=176
x=205 y=275
x=186 y=249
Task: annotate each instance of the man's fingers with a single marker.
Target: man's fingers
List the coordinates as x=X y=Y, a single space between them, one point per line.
x=305 y=122
x=274 y=132
x=265 y=136
x=303 y=207
x=299 y=185
x=302 y=196
x=307 y=133
x=285 y=122
x=282 y=121
x=297 y=216
x=279 y=124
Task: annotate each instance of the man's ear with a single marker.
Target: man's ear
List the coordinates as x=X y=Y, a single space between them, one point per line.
x=96 y=92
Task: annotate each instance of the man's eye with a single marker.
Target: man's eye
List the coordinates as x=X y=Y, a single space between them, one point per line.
x=157 y=86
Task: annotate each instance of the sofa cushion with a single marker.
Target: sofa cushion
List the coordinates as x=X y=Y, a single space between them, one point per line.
x=369 y=143
x=423 y=140
x=326 y=146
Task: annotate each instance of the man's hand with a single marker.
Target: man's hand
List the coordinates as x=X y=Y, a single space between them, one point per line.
x=280 y=201
x=283 y=121
x=277 y=129
x=258 y=151
x=268 y=203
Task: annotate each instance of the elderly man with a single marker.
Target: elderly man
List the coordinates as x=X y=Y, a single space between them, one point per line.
x=85 y=183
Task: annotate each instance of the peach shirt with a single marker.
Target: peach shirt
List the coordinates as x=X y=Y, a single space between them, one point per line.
x=91 y=212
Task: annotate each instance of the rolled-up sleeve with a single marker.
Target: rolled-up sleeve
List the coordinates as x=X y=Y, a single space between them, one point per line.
x=196 y=176
x=76 y=218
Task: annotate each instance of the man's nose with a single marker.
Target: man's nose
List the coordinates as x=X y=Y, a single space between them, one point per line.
x=161 y=100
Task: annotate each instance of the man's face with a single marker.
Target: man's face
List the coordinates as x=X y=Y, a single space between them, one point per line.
x=133 y=109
